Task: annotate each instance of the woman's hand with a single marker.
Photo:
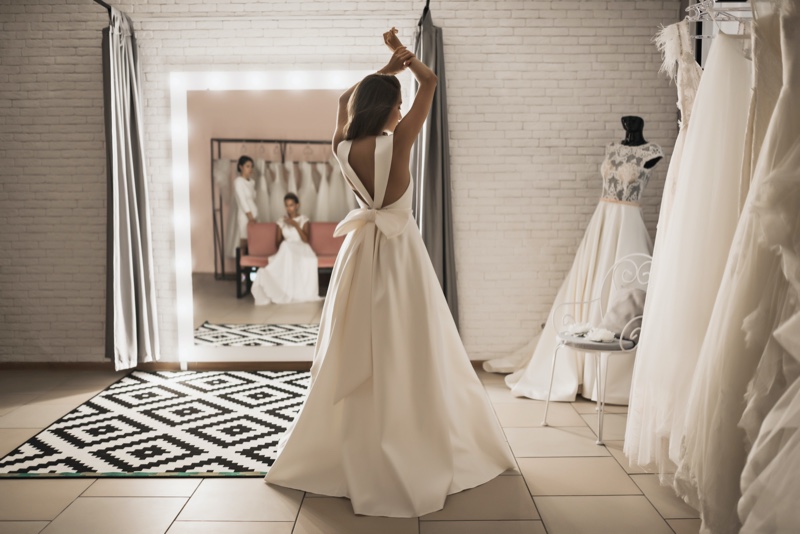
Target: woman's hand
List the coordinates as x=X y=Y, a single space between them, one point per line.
x=288 y=220
x=400 y=59
x=391 y=40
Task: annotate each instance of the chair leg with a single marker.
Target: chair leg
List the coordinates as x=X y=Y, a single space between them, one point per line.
x=600 y=379
x=550 y=386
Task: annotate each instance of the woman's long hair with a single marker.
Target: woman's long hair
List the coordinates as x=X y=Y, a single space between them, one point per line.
x=370 y=105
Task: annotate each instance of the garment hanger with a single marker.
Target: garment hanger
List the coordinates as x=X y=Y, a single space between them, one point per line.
x=108 y=7
x=706 y=10
x=424 y=12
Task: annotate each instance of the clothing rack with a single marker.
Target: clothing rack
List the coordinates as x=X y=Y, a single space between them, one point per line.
x=216 y=196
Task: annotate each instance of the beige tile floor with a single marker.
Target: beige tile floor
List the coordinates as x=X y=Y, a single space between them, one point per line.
x=565 y=483
x=215 y=301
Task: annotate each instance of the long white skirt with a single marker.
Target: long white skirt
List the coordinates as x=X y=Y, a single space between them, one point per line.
x=290 y=276
x=615 y=230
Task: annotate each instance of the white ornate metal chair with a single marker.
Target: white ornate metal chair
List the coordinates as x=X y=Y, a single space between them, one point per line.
x=632 y=271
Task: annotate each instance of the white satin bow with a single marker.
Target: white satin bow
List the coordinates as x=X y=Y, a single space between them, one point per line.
x=391 y=222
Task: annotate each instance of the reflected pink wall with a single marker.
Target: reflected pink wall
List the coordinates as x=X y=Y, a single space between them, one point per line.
x=252 y=115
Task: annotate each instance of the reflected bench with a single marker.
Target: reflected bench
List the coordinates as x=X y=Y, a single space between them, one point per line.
x=261 y=245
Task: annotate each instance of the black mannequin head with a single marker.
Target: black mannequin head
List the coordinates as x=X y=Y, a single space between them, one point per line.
x=633 y=130
x=632 y=123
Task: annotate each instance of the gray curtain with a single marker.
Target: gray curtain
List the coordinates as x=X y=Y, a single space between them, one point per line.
x=430 y=168
x=131 y=316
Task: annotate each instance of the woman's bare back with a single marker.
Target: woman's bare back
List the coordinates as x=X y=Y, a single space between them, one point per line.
x=362 y=160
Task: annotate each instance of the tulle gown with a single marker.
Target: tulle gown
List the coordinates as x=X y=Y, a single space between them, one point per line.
x=291 y=274
x=615 y=230
x=396 y=418
x=687 y=271
x=713 y=453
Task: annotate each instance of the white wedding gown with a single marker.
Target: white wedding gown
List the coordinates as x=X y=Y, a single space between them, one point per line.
x=713 y=452
x=291 y=274
x=396 y=418
x=615 y=230
x=688 y=267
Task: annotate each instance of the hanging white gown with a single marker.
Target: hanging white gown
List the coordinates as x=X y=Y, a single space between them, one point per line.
x=713 y=453
x=324 y=195
x=307 y=192
x=262 y=191
x=687 y=271
x=291 y=274
x=277 y=189
x=222 y=182
x=396 y=418
x=771 y=420
x=615 y=230
x=293 y=178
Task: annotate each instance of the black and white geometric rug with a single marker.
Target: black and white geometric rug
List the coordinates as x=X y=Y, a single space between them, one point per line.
x=256 y=335
x=186 y=424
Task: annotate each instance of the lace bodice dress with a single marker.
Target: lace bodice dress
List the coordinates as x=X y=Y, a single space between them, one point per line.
x=624 y=173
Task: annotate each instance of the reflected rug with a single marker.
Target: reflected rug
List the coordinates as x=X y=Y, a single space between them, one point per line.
x=168 y=424
x=256 y=335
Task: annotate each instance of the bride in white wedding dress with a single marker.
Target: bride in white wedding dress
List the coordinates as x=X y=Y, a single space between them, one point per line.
x=396 y=418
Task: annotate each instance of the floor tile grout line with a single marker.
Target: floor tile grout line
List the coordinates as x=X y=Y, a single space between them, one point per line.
x=189 y=498
x=297 y=517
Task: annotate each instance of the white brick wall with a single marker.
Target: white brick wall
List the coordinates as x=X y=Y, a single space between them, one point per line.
x=536 y=89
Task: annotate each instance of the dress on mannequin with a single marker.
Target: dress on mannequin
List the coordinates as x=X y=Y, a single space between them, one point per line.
x=277 y=189
x=713 y=453
x=307 y=192
x=687 y=271
x=291 y=274
x=615 y=230
x=396 y=418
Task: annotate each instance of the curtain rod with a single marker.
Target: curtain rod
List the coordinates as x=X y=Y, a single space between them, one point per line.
x=386 y=16
x=289 y=141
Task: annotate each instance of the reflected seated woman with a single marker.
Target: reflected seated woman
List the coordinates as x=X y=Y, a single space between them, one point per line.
x=291 y=274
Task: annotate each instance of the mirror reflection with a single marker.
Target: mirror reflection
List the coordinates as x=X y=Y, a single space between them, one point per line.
x=266 y=195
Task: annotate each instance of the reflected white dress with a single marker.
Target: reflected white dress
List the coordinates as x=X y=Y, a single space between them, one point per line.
x=277 y=188
x=615 y=230
x=291 y=274
x=307 y=192
x=396 y=418
x=262 y=191
x=324 y=195
x=713 y=453
x=687 y=270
